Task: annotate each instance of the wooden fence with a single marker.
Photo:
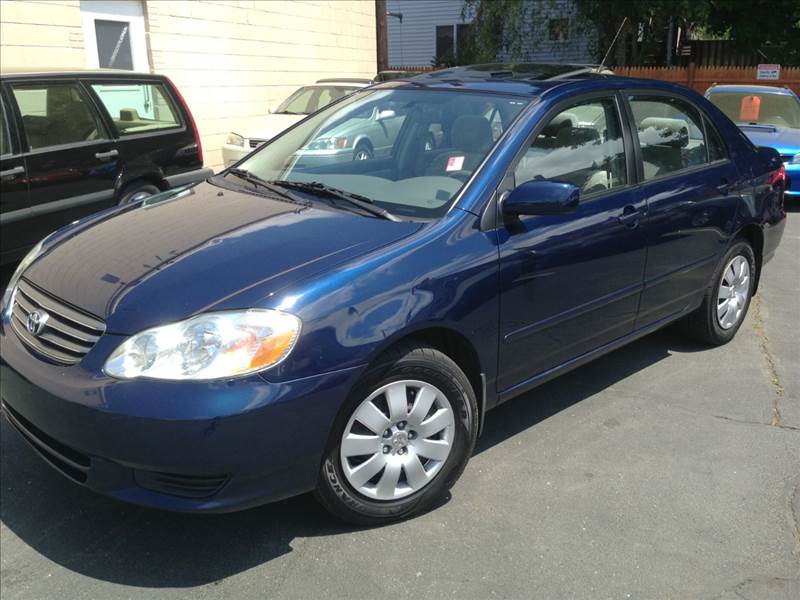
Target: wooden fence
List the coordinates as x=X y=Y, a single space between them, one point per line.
x=701 y=78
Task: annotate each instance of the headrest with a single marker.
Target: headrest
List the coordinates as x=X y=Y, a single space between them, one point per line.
x=471 y=133
x=559 y=122
x=670 y=132
x=128 y=114
x=576 y=136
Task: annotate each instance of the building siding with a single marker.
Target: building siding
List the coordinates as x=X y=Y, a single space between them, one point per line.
x=231 y=59
x=413 y=42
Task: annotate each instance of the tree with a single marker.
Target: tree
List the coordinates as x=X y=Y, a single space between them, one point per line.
x=771 y=26
x=507 y=27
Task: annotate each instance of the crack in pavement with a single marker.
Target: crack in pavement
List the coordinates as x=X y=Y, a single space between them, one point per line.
x=745 y=422
x=769 y=358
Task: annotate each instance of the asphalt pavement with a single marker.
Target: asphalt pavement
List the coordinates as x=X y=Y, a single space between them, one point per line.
x=663 y=470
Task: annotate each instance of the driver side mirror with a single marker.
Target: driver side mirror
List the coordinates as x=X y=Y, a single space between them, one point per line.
x=385 y=114
x=541 y=197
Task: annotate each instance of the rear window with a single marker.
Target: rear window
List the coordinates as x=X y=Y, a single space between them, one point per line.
x=55 y=114
x=138 y=107
x=758 y=108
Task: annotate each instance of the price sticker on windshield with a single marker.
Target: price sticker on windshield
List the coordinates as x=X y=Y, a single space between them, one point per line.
x=455 y=163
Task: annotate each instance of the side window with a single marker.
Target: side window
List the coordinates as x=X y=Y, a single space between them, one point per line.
x=56 y=113
x=138 y=107
x=581 y=145
x=716 y=148
x=5 y=137
x=670 y=134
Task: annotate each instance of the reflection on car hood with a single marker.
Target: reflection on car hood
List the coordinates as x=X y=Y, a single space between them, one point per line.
x=162 y=261
x=786 y=140
x=269 y=126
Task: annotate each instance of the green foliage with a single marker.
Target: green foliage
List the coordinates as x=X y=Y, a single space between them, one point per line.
x=770 y=25
x=504 y=26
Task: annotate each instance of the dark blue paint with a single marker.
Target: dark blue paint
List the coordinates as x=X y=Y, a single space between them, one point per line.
x=531 y=298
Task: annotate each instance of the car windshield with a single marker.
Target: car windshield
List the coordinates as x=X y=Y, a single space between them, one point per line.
x=408 y=151
x=311 y=98
x=759 y=108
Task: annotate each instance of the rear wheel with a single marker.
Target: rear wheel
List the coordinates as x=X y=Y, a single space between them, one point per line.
x=727 y=299
x=137 y=191
x=402 y=440
x=362 y=151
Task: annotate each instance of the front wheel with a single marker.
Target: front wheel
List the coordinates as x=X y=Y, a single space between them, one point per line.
x=727 y=299
x=402 y=440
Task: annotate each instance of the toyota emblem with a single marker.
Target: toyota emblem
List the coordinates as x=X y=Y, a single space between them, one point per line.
x=36 y=322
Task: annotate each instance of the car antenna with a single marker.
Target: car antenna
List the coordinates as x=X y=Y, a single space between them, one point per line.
x=611 y=47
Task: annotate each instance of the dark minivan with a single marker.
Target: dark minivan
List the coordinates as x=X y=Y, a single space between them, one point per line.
x=72 y=143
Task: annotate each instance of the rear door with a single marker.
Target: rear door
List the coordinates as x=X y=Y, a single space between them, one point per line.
x=72 y=162
x=153 y=136
x=14 y=201
x=571 y=283
x=690 y=186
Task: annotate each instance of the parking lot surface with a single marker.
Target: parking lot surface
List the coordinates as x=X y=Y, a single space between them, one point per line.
x=663 y=470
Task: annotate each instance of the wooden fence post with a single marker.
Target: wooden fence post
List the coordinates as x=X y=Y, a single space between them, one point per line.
x=690 y=76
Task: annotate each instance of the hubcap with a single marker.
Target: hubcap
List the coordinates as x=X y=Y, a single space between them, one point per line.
x=733 y=292
x=362 y=155
x=397 y=440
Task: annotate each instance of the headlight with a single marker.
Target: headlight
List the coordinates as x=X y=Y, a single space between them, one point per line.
x=8 y=295
x=208 y=346
x=329 y=143
x=234 y=139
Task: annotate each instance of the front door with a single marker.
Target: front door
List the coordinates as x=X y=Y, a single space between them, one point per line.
x=571 y=283
x=72 y=163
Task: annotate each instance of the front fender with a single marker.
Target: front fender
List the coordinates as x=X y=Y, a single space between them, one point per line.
x=445 y=276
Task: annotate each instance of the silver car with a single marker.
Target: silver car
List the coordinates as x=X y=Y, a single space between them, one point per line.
x=304 y=101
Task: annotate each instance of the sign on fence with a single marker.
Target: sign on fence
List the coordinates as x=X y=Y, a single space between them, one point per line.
x=770 y=72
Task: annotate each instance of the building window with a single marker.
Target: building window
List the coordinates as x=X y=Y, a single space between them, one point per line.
x=114 y=35
x=113 y=44
x=558 y=30
x=445 y=41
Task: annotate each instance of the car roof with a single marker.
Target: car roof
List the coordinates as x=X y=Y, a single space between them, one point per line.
x=61 y=72
x=528 y=79
x=764 y=89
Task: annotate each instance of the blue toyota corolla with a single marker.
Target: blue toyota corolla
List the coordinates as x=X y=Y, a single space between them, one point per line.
x=344 y=325
x=769 y=116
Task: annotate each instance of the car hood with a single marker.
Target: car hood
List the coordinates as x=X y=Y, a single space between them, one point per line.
x=206 y=248
x=269 y=126
x=786 y=140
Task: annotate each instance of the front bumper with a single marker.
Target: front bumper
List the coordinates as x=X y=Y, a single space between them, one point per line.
x=195 y=446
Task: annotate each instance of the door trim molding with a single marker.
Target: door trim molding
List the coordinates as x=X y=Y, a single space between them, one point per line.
x=48 y=207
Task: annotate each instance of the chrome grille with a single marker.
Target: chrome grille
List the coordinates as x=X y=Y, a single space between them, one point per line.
x=255 y=142
x=68 y=334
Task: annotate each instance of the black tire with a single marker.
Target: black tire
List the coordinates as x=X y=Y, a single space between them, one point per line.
x=363 y=151
x=703 y=324
x=137 y=191
x=412 y=360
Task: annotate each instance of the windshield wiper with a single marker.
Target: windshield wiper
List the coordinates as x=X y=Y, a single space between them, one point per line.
x=318 y=188
x=263 y=183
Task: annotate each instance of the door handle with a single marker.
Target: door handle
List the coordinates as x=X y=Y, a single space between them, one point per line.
x=630 y=216
x=11 y=172
x=106 y=155
x=724 y=187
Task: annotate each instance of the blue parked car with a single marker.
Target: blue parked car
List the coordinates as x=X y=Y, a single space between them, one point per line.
x=345 y=326
x=768 y=116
